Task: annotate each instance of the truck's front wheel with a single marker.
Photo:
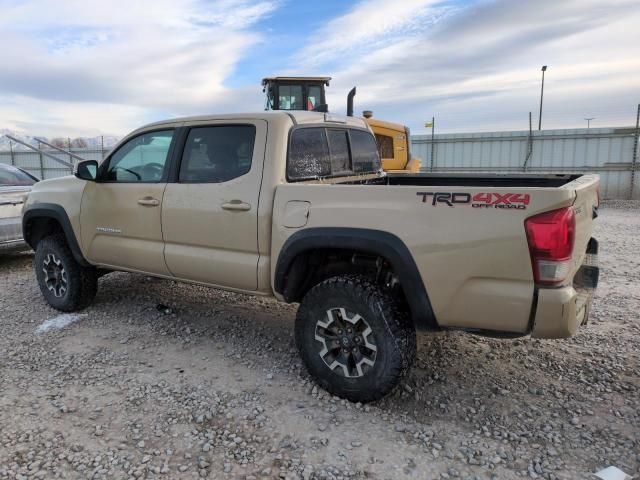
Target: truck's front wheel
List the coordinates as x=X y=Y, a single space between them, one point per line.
x=65 y=284
x=354 y=338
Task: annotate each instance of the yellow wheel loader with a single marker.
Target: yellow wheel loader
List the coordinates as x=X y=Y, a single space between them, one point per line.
x=308 y=93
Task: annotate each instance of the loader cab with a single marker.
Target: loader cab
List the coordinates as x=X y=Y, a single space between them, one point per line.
x=295 y=93
x=308 y=93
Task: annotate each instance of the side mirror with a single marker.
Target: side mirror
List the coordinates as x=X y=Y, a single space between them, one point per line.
x=86 y=170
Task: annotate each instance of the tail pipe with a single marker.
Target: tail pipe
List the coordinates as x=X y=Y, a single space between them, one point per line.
x=352 y=94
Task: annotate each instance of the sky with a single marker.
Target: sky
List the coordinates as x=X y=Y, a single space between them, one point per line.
x=78 y=68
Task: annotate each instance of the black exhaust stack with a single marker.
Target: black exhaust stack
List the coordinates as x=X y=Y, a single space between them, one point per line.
x=352 y=94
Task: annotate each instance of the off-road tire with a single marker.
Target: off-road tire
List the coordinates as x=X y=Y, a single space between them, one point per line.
x=391 y=326
x=81 y=282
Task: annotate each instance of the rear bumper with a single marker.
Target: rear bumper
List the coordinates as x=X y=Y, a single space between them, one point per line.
x=560 y=311
x=557 y=313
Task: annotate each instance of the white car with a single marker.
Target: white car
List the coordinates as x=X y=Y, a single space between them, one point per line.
x=15 y=185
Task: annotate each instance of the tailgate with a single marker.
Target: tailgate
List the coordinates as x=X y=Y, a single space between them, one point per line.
x=586 y=209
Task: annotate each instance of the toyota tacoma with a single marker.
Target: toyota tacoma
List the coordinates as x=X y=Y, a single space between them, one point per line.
x=295 y=205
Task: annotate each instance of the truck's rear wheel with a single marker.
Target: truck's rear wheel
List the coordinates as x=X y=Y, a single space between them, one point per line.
x=354 y=338
x=65 y=284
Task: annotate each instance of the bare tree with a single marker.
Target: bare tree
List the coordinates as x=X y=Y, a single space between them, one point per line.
x=59 y=142
x=79 y=143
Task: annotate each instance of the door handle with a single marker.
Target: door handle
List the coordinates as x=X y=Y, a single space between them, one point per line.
x=237 y=205
x=149 y=202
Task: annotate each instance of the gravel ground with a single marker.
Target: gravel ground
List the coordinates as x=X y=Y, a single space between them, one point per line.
x=211 y=386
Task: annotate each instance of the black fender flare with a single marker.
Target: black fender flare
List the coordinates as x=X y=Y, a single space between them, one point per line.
x=369 y=241
x=57 y=213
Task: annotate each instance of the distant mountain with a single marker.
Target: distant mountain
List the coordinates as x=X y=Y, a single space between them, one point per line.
x=76 y=142
x=4 y=141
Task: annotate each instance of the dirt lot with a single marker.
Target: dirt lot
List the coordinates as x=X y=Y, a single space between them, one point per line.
x=212 y=386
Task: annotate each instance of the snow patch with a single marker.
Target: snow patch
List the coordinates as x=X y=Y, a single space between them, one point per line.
x=613 y=473
x=60 y=321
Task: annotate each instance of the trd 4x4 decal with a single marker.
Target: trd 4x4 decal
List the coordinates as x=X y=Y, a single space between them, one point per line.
x=517 y=201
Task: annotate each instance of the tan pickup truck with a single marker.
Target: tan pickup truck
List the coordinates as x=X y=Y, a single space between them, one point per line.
x=294 y=205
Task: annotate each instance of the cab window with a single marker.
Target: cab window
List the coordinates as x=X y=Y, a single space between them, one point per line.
x=316 y=152
x=364 y=150
x=217 y=154
x=290 y=97
x=142 y=159
x=308 y=154
x=313 y=97
x=339 y=151
x=385 y=146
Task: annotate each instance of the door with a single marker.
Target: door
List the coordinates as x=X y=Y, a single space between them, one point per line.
x=120 y=215
x=15 y=185
x=210 y=215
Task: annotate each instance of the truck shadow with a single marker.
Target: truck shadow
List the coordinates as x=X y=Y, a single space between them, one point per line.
x=524 y=390
x=10 y=261
x=456 y=375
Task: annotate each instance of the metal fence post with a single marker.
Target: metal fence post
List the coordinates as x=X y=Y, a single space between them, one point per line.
x=634 y=160
x=41 y=161
x=13 y=158
x=433 y=140
x=69 y=150
x=529 y=145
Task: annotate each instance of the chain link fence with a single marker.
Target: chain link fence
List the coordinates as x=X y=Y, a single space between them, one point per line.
x=43 y=166
x=608 y=152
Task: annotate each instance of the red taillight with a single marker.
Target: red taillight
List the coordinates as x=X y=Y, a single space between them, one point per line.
x=551 y=236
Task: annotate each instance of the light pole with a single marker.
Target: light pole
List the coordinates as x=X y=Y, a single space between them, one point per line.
x=432 y=124
x=544 y=69
x=589 y=121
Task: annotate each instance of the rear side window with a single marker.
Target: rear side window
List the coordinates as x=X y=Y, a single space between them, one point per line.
x=217 y=154
x=328 y=152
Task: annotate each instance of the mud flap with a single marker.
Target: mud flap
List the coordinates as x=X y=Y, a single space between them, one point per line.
x=586 y=279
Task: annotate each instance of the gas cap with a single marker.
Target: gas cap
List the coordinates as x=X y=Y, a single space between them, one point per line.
x=296 y=214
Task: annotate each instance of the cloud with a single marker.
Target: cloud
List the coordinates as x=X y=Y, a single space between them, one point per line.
x=51 y=118
x=168 y=57
x=478 y=67
x=368 y=26
x=109 y=66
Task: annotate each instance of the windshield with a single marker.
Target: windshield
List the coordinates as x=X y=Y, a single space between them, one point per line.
x=14 y=177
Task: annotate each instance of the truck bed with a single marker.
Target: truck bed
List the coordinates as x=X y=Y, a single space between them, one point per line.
x=466 y=233
x=474 y=180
